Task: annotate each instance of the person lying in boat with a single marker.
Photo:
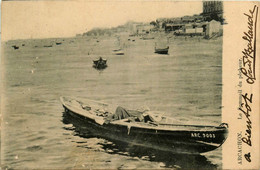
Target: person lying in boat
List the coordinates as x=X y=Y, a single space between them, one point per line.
x=141 y=115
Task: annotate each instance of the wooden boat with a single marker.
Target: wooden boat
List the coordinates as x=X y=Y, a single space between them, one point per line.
x=118 y=52
x=161 y=50
x=147 y=37
x=165 y=134
x=100 y=63
x=15 y=47
x=47 y=46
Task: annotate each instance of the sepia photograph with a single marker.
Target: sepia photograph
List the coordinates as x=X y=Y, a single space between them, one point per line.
x=115 y=84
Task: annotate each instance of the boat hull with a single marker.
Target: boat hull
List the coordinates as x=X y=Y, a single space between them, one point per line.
x=162 y=51
x=177 y=141
x=100 y=66
x=118 y=52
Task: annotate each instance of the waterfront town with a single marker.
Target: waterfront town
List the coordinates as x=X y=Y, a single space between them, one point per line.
x=207 y=24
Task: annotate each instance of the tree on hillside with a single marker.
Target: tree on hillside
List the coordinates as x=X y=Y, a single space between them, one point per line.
x=153 y=23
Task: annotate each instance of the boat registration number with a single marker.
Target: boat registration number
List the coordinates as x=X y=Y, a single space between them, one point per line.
x=203 y=135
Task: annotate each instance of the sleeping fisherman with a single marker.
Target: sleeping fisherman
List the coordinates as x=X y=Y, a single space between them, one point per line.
x=141 y=115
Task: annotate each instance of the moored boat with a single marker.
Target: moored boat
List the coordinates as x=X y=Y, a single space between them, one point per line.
x=147 y=37
x=118 y=52
x=164 y=134
x=161 y=50
x=100 y=63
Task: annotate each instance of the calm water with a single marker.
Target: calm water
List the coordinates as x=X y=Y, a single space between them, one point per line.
x=186 y=84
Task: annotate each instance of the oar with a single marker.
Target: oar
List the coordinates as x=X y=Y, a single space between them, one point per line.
x=121 y=120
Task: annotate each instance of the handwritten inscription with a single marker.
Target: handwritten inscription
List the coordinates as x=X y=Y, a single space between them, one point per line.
x=248 y=70
x=249 y=53
x=246 y=110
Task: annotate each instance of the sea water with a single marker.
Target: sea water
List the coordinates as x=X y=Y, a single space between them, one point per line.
x=185 y=84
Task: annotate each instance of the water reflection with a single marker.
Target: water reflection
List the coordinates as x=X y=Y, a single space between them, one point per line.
x=165 y=159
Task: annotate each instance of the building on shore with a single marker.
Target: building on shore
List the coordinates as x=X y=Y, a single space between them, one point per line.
x=191 y=29
x=213 y=10
x=213 y=29
x=207 y=24
x=206 y=29
x=142 y=29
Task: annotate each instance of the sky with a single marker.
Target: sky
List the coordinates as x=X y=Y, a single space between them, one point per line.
x=46 y=19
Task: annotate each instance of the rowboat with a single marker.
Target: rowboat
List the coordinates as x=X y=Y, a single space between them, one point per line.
x=147 y=37
x=164 y=134
x=100 y=63
x=118 y=52
x=161 y=50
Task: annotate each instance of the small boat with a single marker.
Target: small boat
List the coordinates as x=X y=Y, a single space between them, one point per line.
x=161 y=50
x=47 y=46
x=100 y=63
x=118 y=52
x=15 y=47
x=147 y=38
x=164 y=134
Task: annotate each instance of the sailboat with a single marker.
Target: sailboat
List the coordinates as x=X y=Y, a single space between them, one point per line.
x=118 y=51
x=161 y=47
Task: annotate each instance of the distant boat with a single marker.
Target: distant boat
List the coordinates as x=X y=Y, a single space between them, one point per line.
x=47 y=46
x=100 y=63
x=162 y=50
x=15 y=47
x=118 y=52
x=58 y=43
x=148 y=37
